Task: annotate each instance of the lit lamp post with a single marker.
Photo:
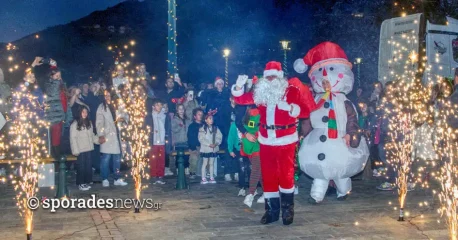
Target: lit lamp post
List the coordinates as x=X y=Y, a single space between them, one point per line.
x=284 y=46
x=226 y=54
x=358 y=69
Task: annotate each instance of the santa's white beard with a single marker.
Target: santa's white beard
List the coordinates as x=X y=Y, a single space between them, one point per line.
x=269 y=92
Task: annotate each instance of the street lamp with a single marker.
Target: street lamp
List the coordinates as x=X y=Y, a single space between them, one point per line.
x=358 y=69
x=226 y=53
x=284 y=46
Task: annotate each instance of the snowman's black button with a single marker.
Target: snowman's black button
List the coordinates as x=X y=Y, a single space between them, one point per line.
x=321 y=156
x=325 y=119
x=323 y=138
x=326 y=105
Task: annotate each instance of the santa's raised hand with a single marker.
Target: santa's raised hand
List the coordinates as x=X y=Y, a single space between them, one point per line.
x=241 y=81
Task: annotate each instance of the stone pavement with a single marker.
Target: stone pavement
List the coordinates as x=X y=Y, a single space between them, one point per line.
x=215 y=212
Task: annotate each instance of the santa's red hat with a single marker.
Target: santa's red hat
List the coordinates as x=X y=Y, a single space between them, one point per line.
x=219 y=80
x=273 y=69
x=322 y=54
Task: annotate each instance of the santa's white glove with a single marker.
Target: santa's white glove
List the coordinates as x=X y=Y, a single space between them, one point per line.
x=283 y=105
x=241 y=80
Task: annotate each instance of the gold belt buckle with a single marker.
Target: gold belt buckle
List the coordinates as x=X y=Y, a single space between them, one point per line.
x=251 y=124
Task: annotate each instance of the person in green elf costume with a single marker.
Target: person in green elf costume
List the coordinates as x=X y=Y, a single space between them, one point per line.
x=247 y=124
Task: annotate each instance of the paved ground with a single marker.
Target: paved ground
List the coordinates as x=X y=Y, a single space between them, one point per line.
x=215 y=212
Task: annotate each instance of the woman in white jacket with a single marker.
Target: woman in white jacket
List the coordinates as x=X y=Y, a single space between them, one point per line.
x=82 y=140
x=111 y=148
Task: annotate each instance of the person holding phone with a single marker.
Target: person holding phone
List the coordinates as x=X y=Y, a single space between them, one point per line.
x=174 y=93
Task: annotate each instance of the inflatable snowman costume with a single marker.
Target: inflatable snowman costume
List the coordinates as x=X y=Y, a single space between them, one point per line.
x=332 y=148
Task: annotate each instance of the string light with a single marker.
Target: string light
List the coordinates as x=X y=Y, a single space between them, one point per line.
x=172 y=59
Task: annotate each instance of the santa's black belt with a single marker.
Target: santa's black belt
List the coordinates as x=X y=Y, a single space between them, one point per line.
x=278 y=127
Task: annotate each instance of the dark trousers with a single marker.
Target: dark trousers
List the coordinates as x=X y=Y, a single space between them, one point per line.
x=244 y=170
x=84 y=168
x=96 y=158
x=232 y=165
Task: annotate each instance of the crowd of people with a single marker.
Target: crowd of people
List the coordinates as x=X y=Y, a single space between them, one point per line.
x=208 y=122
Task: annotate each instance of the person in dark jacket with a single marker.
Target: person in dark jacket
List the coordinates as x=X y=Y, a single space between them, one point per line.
x=174 y=94
x=193 y=141
x=218 y=99
x=56 y=107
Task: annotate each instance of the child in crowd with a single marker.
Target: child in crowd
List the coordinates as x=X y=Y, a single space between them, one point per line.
x=157 y=153
x=193 y=141
x=82 y=140
x=210 y=138
x=168 y=137
x=180 y=125
x=232 y=163
x=233 y=149
x=190 y=103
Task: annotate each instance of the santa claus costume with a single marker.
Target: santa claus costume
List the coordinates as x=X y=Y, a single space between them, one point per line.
x=332 y=148
x=280 y=103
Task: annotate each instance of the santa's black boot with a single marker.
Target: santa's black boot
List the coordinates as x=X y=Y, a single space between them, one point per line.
x=287 y=208
x=272 y=214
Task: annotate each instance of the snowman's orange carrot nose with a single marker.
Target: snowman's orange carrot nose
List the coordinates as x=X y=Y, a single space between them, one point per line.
x=325 y=74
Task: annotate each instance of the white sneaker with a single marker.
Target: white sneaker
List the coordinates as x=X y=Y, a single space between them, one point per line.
x=212 y=180
x=2 y=172
x=249 y=200
x=242 y=192
x=227 y=178
x=376 y=173
x=410 y=186
x=186 y=171
x=204 y=181
x=2 y=157
x=120 y=182
x=255 y=192
x=236 y=177
x=159 y=181
x=261 y=199
x=105 y=183
x=83 y=187
x=296 y=190
x=167 y=172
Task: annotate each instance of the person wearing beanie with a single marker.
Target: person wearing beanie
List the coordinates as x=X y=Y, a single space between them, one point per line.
x=218 y=99
x=281 y=102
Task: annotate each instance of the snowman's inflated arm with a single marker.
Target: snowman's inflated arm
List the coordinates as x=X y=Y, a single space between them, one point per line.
x=352 y=127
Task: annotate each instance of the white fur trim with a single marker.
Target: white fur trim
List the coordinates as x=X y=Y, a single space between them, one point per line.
x=237 y=93
x=273 y=72
x=281 y=141
x=284 y=190
x=270 y=119
x=300 y=66
x=271 y=194
x=296 y=110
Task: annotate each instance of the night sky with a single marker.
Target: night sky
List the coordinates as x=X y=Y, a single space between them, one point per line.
x=19 y=18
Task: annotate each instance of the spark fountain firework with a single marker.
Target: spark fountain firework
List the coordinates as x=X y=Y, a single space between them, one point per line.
x=137 y=136
x=131 y=105
x=446 y=146
x=26 y=139
x=402 y=105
